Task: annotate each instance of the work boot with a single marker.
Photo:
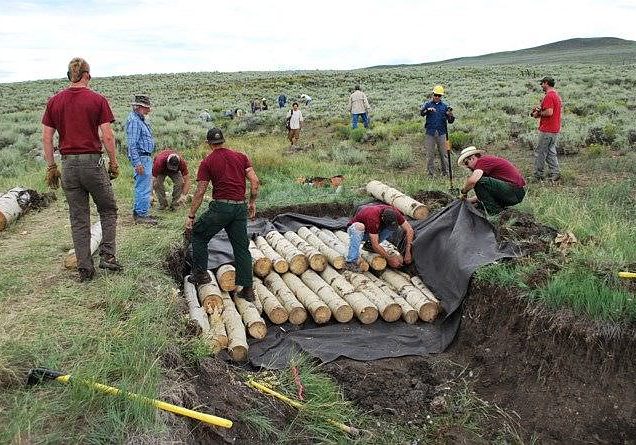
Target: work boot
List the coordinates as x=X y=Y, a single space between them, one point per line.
x=85 y=275
x=247 y=293
x=109 y=262
x=139 y=219
x=199 y=277
x=352 y=267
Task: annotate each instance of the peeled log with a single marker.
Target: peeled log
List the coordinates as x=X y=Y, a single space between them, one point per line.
x=399 y=200
x=10 y=209
x=226 y=276
x=417 y=281
x=340 y=309
x=217 y=334
x=70 y=261
x=237 y=340
x=409 y=314
x=426 y=309
x=297 y=260
x=375 y=260
x=210 y=295
x=316 y=307
x=260 y=263
x=317 y=261
x=389 y=310
x=335 y=258
x=251 y=319
x=297 y=312
x=271 y=306
x=365 y=310
x=391 y=249
x=278 y=262
x=327 y=237
x=197 y=313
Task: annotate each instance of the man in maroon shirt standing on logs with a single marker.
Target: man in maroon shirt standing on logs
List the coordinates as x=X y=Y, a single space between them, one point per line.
x=497 y=182
x=79 y=115
x=227 y=170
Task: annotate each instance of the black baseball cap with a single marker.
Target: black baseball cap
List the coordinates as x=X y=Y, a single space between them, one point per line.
x=549 y=80
x=388 y=217
x=215 y=136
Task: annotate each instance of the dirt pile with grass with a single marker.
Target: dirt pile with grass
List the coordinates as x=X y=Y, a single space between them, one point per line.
x=547 y=375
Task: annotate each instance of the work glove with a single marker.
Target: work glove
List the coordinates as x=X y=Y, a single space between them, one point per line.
x=113 y=170
x=181 y=200
x=53 y=175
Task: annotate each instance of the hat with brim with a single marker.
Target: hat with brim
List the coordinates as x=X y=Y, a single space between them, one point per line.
x=467 y=153
x=173 y=162
x=141 y=100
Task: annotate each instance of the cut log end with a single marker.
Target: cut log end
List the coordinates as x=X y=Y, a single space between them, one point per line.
x=378 y=263
x=278 y=315
x=321 y=315
x=318 y=263
x=212 y=303
x=344 y=314
x=410 y=317
x=281 y=266
x=420 y=212
x=238 y=353
x=429 y=311
x=262 y=267
x=297 y=316
x=392 y=312
x=257 y=330
x=368 y=315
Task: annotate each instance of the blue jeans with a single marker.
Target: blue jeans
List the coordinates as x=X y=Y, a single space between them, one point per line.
x=354 y=120
x=356 y=237
x=143 y=188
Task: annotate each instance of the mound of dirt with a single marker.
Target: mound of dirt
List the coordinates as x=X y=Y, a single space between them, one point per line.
x=525 y=231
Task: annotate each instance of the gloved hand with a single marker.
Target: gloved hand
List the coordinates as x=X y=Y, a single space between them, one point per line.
x=113 y=170
x=462 y=196
x=53 y=176
x=181 y=200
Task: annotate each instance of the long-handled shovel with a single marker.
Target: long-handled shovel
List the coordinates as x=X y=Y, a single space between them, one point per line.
x=452 y=190
x=37 y=375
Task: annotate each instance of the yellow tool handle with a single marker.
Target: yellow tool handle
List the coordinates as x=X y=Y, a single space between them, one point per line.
x=627 y=274
x=207 y=418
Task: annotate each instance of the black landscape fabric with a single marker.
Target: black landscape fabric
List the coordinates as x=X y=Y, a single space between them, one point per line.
x=448 y=247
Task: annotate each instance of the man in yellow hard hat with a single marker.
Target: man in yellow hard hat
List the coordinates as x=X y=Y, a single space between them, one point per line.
x=438 y=115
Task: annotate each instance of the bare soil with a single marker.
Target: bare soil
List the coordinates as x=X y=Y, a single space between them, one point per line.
x=563 y=379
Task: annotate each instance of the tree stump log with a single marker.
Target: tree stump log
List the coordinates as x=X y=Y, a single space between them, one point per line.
x=297 y=312
x=409 y=315
x=297 y=260
x=399 y=200
x=226 y=276
x=278 y=262
x=210 y=295
x=196 y=312
x=261 y=264
x=271 y=306
x=319 y=311
x=251 y=319
x=365 y=311
x=217 y=335
x=340 y=309
x=237 y=339
x=335 y=258
x=390 y=311
x=317 y=261
x=426 y=309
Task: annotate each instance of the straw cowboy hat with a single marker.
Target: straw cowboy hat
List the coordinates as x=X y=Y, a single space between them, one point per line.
x=468 y=152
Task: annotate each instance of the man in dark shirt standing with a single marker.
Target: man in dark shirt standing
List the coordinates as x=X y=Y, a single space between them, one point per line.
x=79 y=115
x=227 y=170
x=438 y=115
x=497 y=182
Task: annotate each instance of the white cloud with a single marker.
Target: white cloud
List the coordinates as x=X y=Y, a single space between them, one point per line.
x=37 y=38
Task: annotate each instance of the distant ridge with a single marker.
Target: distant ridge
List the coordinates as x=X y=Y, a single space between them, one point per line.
x=597 y=50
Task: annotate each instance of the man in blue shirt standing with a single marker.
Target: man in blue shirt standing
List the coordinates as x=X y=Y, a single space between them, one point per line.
x=140 y=147
x=438 y=116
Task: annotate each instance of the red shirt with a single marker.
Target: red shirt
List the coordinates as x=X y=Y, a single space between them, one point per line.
x=159 y=164
x=500 y=168
x=76 y=114
x=551 y=124
x=369 y=215
x=225 y=168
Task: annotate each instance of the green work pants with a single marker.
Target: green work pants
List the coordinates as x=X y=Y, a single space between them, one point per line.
x=232 y=218
x=495 y=194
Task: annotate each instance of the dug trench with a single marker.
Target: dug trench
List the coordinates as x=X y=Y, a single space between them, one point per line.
x=554 y=377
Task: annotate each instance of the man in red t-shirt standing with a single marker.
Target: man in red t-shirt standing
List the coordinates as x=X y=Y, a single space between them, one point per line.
x=227 y=170
x=549 y=115
x=79 y=115
x=497 y=182
x=170 y=163
x=375 y=223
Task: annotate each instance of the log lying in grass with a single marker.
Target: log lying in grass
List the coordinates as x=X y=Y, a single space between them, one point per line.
x=253 y=322
x=365 y=311
x=297 y=260
x=327 y=237
x=409 y=314
x=297 y=312
x=399 y=200
x=317 y=261
x=335 y=258
x=340 y=309
x=10 y=209
x=210 y=295
x=426 y=309
x=375 y=260
x=417 y=281
x=226 y=276
x=217 y=335
x=261 y=265
x=389 y=310
x=70 y=260
x=237 y=340
x=197 y=313
x=278 y=262
x=271 y=306
x=316 y=307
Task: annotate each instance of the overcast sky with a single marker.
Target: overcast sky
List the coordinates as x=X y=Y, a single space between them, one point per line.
x=38 y=38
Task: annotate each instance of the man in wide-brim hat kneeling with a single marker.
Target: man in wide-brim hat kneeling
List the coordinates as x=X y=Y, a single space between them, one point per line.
x=497 y=182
